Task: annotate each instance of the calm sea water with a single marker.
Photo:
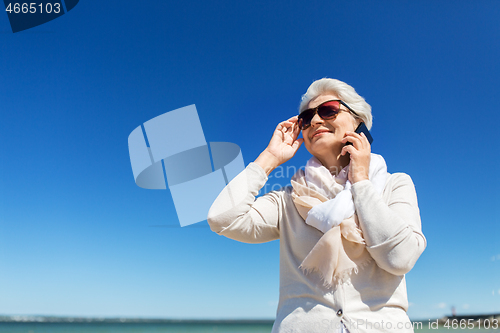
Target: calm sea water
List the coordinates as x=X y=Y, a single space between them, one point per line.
x=131 y=328
x=167 y=328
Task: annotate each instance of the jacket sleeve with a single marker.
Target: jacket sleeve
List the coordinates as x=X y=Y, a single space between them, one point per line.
x=391 y=229
x=236 y=213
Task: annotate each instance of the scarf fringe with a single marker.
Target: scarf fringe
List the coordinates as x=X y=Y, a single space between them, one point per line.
x=340 y=278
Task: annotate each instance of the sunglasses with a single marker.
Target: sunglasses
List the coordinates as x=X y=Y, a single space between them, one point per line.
x=326 y=111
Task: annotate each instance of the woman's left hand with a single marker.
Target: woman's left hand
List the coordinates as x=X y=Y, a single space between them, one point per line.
x=360 y=151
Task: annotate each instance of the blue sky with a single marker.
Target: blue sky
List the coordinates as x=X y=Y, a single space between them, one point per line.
x=78 y=237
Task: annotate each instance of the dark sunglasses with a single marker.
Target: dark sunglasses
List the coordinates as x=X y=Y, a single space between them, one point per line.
x=326 y=111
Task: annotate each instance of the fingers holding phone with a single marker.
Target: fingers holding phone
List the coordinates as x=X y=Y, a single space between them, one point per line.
x=358 y=145
x=362 y=129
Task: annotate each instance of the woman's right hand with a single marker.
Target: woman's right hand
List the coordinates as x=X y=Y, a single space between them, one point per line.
x=282 y=147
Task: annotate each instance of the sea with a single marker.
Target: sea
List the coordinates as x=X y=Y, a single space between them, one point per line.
x=37 y=327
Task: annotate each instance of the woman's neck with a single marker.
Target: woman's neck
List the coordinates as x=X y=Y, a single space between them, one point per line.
x=335 y=163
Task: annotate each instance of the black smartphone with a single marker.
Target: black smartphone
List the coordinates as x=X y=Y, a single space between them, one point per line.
x=362 y=129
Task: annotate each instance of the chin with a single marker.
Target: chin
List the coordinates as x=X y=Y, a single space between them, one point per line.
x=324 y=147
x=325 y=140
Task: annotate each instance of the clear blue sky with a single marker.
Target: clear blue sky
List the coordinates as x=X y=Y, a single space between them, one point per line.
x=78 y=237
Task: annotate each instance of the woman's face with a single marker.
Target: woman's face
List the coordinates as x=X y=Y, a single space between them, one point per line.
x=323 y=138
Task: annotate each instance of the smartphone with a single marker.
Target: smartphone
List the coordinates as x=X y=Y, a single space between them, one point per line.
x=362 y=129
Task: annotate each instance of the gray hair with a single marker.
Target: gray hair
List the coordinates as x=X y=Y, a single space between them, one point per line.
x=345 y=92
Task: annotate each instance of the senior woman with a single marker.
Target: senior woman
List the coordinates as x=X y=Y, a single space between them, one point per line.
x=349 y=231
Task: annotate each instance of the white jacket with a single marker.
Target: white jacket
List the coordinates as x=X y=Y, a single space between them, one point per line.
x=375 y=299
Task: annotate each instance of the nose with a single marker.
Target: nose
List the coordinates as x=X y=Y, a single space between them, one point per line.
x=316 y=120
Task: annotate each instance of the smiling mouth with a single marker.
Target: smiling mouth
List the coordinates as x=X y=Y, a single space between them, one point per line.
x=320 y=133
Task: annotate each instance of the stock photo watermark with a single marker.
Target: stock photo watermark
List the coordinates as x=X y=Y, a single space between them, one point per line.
x=282 y=174
x=194 y=170
x=331 y=326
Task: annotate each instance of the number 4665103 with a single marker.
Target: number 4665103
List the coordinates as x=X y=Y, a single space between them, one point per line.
x=33 y=8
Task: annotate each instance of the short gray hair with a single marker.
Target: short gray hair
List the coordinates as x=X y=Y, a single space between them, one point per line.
x=345 y=92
